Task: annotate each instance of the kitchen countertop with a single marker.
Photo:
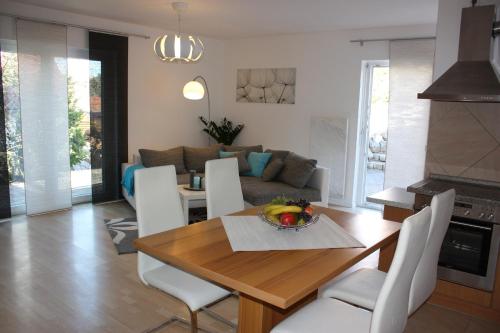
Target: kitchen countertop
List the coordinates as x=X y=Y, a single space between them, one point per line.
x=395 y=197
x=467 y=190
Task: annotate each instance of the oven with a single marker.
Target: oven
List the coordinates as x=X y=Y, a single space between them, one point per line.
x=470 y=249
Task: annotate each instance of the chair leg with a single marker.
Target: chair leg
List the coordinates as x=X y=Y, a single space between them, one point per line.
x=194 y=320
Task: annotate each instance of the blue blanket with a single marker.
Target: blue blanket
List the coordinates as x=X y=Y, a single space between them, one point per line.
x=128 y=178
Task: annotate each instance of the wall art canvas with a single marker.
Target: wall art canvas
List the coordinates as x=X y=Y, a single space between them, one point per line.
x=266 y=85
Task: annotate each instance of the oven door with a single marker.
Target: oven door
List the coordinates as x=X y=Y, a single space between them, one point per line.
x=469 y=253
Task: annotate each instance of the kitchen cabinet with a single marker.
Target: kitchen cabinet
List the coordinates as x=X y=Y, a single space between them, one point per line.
x=398 y=204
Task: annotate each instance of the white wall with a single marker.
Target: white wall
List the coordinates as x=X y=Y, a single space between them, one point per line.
x=159 y=117
x=328 y=84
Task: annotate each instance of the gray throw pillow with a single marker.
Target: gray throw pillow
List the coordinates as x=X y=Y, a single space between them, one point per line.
x=272 y=170
x=276 y=155
x=246 y=149
x=243 y=165
x=175 y=156
x=195 y=158
x=297 y=170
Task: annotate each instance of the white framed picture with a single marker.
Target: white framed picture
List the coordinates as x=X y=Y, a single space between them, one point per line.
x=266 y=85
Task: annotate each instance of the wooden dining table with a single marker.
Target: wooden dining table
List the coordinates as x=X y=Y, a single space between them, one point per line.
x=271 y=284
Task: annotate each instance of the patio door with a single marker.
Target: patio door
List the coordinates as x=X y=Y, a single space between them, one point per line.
x=373 y=125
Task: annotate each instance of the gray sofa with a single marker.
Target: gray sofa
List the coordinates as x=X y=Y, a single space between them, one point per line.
x=258 y=192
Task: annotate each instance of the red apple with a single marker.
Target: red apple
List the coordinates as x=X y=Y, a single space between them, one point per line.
x=288 y=219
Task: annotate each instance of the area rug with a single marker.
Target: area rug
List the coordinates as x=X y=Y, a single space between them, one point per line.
x=123 y=231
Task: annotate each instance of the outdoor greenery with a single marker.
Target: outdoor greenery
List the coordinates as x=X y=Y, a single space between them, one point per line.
x=10 y=81
x=224 y=133
x=77 y=139
x=95 y=85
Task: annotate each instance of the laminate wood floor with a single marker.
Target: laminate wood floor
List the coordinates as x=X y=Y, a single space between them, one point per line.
x=60 y=272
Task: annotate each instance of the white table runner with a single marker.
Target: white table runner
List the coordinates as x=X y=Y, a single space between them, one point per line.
x=250 y=233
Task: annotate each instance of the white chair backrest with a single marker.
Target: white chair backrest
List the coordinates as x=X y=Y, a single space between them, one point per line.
x=158 y=207
x=223 y=187
x=425 y=278
x=391 y=309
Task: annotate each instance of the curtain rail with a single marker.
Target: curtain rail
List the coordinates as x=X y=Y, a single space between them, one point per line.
x=362 y=41
x=111 y=32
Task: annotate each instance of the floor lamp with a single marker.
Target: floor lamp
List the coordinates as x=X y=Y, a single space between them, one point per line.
x=193 y=90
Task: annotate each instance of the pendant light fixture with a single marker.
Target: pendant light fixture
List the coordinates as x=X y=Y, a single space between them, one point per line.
x=179 y=48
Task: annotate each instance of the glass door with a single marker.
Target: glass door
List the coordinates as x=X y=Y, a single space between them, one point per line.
x=373 y=130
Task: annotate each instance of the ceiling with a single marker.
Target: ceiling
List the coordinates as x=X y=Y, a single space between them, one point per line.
x=249 y=18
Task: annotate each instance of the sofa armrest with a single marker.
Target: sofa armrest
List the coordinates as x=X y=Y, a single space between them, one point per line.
x=321 y=180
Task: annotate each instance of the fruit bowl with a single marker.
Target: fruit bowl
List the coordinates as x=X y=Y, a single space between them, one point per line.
x=288 y=214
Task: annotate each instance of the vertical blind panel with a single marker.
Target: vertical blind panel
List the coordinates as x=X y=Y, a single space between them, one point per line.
x=44 y=114
x=4 y=171
x=108 y=56
x=410 y=73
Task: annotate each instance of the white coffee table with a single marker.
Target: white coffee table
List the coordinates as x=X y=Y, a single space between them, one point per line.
x=193 y=199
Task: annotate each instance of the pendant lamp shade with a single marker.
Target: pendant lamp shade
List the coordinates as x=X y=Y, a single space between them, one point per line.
x=193 y=90
x=177 y=47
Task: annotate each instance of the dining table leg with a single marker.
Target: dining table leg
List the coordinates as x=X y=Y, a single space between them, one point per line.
x=255 y=316
x=386 y=255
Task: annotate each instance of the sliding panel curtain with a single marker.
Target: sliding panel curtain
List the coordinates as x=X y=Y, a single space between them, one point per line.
x=4 y=171
x=108 y=55
x=411 y=64
x=42 y=54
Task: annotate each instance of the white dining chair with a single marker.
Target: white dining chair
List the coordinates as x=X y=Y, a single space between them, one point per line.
x=159 y=209
x=390 y=313
x=362 y=287
x=223 y=187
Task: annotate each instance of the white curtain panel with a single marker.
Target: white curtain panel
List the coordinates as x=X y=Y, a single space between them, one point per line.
x=42 y=53
x=411 y=64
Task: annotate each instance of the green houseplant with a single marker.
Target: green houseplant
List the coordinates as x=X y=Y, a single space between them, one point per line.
x=224 y=132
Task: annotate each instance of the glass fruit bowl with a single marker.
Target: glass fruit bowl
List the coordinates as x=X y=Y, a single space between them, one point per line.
x=289 y=214
x=296 y=227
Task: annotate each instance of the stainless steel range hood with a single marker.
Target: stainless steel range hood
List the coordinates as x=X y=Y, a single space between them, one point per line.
x=472 y=78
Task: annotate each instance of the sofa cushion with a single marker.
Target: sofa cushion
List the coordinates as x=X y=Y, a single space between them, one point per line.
x=195 y=158
x=246 y=149
x=272 y=170
x=297 y=170
x=152 y=158
x=257 y=162
x=243 y=165
x=277 y=154
x=258 y=192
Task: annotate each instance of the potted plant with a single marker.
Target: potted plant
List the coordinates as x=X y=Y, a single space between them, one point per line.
x=224 y=132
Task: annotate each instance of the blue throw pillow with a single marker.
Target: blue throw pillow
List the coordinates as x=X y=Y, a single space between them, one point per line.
x=226 y=154
x=258 y=162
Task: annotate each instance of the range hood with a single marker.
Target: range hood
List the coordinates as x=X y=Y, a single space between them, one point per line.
x=472 y=78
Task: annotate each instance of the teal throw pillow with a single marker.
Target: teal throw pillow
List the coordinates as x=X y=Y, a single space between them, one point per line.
x=258 y=162
x=226 y=154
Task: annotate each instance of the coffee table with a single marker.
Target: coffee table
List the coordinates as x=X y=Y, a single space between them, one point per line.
x=193 y=199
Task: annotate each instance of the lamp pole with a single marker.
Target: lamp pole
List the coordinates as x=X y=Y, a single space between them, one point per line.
x=201 y=78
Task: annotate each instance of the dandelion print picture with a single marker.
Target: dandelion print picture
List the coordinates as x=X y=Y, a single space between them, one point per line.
x=266 y=85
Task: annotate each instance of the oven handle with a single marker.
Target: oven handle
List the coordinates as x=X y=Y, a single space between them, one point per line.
x=471 y=225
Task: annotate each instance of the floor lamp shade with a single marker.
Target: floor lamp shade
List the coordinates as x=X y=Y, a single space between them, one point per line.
x=193 y=90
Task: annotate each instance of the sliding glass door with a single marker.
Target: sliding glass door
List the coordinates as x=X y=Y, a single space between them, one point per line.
x=11 y=159
x=63 y=116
